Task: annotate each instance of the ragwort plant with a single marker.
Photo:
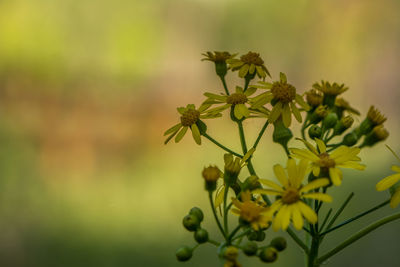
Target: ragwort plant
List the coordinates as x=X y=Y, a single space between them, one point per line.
x=311 y=172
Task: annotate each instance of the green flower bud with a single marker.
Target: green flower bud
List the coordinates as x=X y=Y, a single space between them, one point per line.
x=201 y=236
x=211 y=175
x=190 y=222
x=281 y=134
x=260 y=236
x=197 y=212
x=250 y=248
x=343 y=124
x=221 y=68
x=269 y=254
x=330 y=120
x=315 y=132
x=350 y=139
x=279 y=243
x=232 y=169
x=184 y=253
x=252 y=236
x=379 y=133
x=251 y=183
x=231 y=253
x=319 y=113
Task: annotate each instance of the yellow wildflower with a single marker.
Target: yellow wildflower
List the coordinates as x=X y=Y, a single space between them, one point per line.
x=330 y=89
x=375 y=116
x=343 y=156
x=251 y=63
x=283 y=97
x=314 y=98
x=390 y=181
x=290 y=204
x=217 y=56
x=190 y=118
x=253 y=212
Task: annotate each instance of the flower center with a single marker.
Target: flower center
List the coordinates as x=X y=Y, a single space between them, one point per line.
x=236 y=98
x=191 y=116
x=283 y=92
x=250 y=211
x=325 y=161
x=291 y=195
x=221 y=56
x=252 y=58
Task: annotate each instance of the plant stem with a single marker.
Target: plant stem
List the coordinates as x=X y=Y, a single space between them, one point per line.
x=233 y=233
x=244 y=147
x=356 y=217
x=215 y=214
x=242 y=234
x=221 y=146
x=226 y=210
x=326 y=219
x=358 y=235
x=339 y=211
x=213 y=242
x=297 y=240
x=313 y=255
x=224 y=83
x=260 y=134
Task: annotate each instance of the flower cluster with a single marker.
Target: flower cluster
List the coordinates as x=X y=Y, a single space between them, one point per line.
x=299 y=194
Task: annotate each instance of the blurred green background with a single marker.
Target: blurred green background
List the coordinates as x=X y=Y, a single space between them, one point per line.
x=87 y=87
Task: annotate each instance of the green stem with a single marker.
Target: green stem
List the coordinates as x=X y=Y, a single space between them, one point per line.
x=297 y=240
x=226 y=211
x=242 y=234
x=224 y=83
x=326 y=219
x=313 y=255
x=358 y=235
x=244 y=147
x=356 y=217
x=233 y=233
x=215 y=214
x=260 y=134
x=221 y=146
x=339 y=211
x=213 y=242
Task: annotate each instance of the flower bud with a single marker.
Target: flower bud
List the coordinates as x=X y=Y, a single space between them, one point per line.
x=211 y=174
x=281 y=134
x=269 y=254
x=184 y=253
x=251 y=183
x=201 y=236
x=319 y=113
x=350 y=139
x=197 y=212
x=232 y=169
x=315 y=131
x=190 y=222
x=231 y=253
x=250 y=248
x=330 y=120
x=343 y=124
x=314 y=98
x=378 y=133
x=279 y=243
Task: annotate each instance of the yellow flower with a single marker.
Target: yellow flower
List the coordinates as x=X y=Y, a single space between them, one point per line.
x=253 y=212
x=190 y=118
x=238 y=101
x=375 y=116
x=291 y=195
x=330 y=89
x=390 y=181
x=283 y=96
x=314 y=98
x=343 y=156
x=217 y=56
x=251 y=63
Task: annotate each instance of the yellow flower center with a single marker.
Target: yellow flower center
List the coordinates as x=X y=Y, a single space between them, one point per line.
x=250 y=211
x=252 y=58
x=290 y=196
x=236 y=98
x=283 y=92
x=211 y=174
x=191 y=116
x=325 y=161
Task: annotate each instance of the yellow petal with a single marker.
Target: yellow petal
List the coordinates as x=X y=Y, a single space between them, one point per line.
x=248 y=154
x=219 y=197
x=316 y=170
x=304 y=154
x=286 y=115
x=336 y=176
x=307 y=212
x=181 y=134
x=297 y=218
x=252 y=68
x=215 y=96
x=292 y=171
x=317 y=183
x=319 y=196
x=267 y=192
x=301 y=102
x=286 y=216
x=243 y=70
x=275 y=112
x=296 y=112
x=395 y=199
x=395 y=168
x=352 y=165
x=243 y=110
x=277 y=223
x=196 y=134
x=280 y=174
x=321 y=145
x=260 y=71
x=270 y=184
x=237 y=112
x=388 y=182
x=302 y=170
x=173 y=129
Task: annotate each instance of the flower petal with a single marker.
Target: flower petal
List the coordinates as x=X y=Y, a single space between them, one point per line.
x=307 y=212
x=297 y=218
x=388 y=182
x=181 y=134
x=280 y=174
x=321 y=145
x=237 y=112
x=275 y=112
x=296 y=112
x=394 y=202
x=304 y=154
x=317 y=183
x=266 y=192
x=243 y=70
x=318 y=196
x=173 y=129
x=336 y=176
x=196 y=134
x=271 y=184
x=286 y=115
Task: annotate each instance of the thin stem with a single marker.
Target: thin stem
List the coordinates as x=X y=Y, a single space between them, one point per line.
x=224 y=83
x=358 y=235
x=226 y=211
x=260 y=134
x=234 y=232
x=326 y=219
x=297 y=240
x=242 y=234
x=244 y=148
x=221 y=146
x=213 y=242
x=313 y=255
x=215 y=214
x=339 y=211
x=356 y=217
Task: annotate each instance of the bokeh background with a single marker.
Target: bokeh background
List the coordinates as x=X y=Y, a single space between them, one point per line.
x=88 y=87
